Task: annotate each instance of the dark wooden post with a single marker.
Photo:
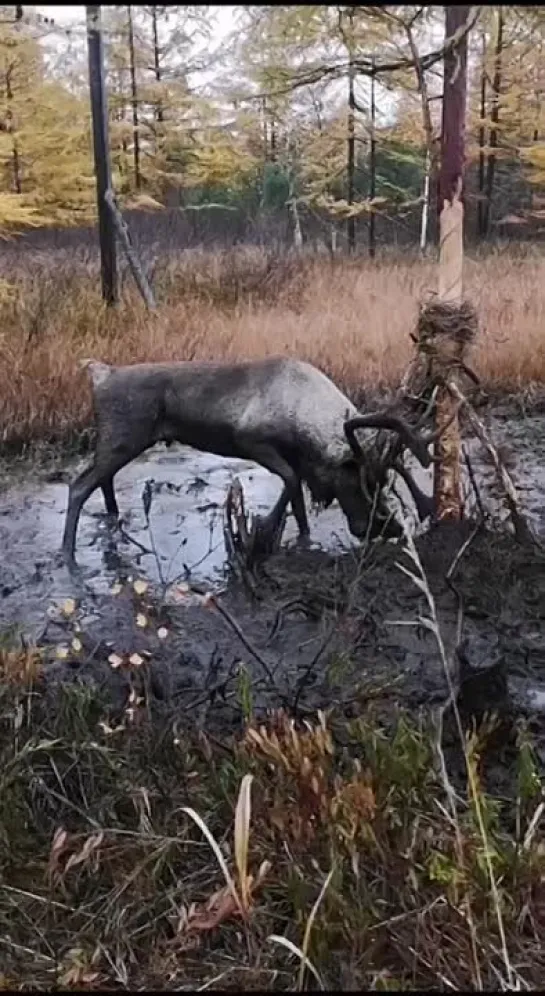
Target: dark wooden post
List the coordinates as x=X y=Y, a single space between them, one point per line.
x=102 y=154
x=447 y=478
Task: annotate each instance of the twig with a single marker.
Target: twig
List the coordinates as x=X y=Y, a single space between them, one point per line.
x=243 y=639
x=476 y=492
x=523 y=533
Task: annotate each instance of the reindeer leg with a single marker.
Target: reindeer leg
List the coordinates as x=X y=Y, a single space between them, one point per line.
x=112 y=510
x=99 y=474
x=269 y=458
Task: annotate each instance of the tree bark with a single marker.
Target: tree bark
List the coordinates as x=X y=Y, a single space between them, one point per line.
x=494 y=119
x=134 y=103
x=447 y=477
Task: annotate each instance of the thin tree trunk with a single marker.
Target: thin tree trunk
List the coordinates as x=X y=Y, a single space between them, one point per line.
x=273 y=138
x=351 y=144
x=425 y=204
x=134 y=102
x=265 y=131
x=494 y=118
x=482 y=141
x=10 y=122
x=156 y=63
x=447 y=477
x=372 y=168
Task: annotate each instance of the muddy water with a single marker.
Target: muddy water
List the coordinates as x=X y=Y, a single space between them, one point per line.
x=184 y=538
x=185 y=541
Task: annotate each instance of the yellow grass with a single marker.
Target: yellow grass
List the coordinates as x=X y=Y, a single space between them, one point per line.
x=350 y=318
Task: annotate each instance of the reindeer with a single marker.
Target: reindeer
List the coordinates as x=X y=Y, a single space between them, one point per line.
x=282 y=413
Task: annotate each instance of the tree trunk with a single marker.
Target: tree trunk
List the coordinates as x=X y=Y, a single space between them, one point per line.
x=273 y=138
x=134 y=102
x=372 y=168
x=494 y=118
x=447 y=490
x=425 y=204
x=482 y=141
x=156 y=63
x=351 y=150
x=265 y=132
x=11 y=128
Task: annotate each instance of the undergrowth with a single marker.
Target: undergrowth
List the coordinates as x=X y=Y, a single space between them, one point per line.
x=291 y=855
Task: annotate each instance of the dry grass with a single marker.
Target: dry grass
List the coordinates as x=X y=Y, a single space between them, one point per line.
x=350 y=318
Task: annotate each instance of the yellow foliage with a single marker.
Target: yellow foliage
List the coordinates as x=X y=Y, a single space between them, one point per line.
x=534 y=156
x=46 y=170
x=219 y=161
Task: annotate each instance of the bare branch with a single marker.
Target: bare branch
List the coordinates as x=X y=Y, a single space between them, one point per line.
x=369 y=65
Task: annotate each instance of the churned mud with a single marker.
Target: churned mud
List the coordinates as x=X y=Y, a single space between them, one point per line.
x=329 y=624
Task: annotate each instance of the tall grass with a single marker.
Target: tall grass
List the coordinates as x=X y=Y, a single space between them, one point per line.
x=351 y=318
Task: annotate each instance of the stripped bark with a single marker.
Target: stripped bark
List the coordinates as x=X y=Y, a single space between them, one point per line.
x=447 y=476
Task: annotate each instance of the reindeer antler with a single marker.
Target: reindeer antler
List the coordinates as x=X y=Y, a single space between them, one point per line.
x=417 y=442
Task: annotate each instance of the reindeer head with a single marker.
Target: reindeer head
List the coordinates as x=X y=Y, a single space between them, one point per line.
x=365 y=473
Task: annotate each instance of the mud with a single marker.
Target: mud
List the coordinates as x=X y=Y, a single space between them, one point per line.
x=330 y=624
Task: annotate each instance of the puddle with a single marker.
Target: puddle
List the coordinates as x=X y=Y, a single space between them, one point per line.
x=185 y=538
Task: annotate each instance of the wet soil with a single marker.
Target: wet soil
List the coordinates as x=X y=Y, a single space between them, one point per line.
x=329 y=625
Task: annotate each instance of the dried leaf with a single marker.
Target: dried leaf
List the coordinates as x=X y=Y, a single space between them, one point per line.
x=76 y=644
x=116 y=588
x=91 y=844
x=162 y=632
x=206 y=916
x=115 y=660
x=141 y=620
x=58 y=844
x=69 y=607
x=136 y=660
x=140 y=586
x=61 y=653
x=242 y=836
